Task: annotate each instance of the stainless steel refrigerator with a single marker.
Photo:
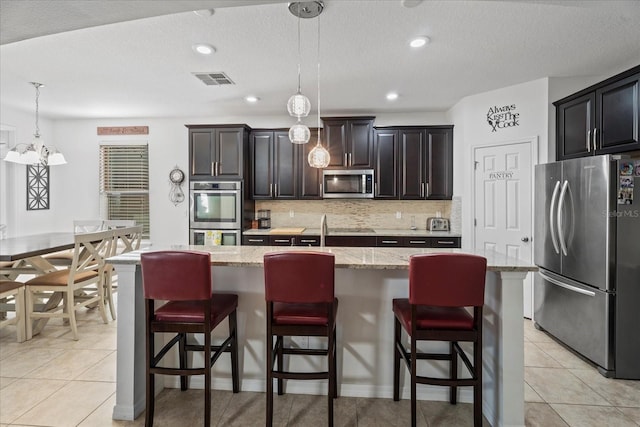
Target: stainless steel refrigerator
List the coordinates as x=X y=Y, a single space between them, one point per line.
x=587 y=248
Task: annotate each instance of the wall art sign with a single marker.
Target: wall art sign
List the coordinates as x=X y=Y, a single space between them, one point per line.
x=501 y=117
x=124 y=130
x=37 y=187
x=501 y=175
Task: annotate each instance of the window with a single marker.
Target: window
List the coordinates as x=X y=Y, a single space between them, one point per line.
x=124 y=183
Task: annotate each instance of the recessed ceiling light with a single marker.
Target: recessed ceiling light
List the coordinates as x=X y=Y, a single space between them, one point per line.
x=392 y=96
x=252 y=99
x=203 y=48
x=419 y=41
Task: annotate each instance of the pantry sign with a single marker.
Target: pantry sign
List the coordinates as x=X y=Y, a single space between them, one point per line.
x=501 y=117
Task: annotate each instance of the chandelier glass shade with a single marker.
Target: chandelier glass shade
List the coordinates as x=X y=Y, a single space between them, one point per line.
x=298 y=105
x=36 y=153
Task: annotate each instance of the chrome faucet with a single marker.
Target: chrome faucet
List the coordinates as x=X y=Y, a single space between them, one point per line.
x=323 y=229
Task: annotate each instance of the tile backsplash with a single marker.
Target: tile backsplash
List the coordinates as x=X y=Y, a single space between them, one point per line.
x=355 y=213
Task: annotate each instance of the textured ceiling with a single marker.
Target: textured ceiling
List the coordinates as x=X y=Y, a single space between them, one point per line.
x=143 y=67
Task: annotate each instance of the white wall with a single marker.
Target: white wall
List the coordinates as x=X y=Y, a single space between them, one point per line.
x=471 y=129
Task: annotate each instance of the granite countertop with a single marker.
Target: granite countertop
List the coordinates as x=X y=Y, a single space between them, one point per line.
x=374 y=232
x=346 y=257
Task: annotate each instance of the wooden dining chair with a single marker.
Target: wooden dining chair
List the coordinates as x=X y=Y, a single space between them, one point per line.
x=12 y=298
x=86 y=273
x=64 y=258
x=126 y=239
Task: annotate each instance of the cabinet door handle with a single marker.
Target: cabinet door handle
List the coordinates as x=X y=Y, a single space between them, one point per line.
x=282 y=240
x=307 y=241
x=595 y=139
x=275 y=189
x=417 y=242
x=422 y=189
x=589 y=141
x=256 y=240
x=350 y=161
x=218 y=168
x=427 y=191
x=213 y=168
x=445 y=242
x=270 y=190
x=346 y=162
x=390 y=242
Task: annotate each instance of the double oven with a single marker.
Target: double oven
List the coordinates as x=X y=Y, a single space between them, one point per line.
x=215 y=212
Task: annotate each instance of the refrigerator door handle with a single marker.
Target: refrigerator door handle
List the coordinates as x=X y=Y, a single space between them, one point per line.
x=561 y=199
x=566 y=286
x=552 y=230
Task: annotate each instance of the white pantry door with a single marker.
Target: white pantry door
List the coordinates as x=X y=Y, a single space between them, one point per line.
x=503 y=204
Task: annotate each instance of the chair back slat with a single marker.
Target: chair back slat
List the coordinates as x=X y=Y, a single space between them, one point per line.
x=176 y=275
x=447 y=279
x=127 y=239
x=299 y=277
x=90 y=251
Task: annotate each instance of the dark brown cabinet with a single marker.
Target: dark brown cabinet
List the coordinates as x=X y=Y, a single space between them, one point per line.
x=385 y=158
x=218 y=152
x=280 y=240
x=349 y=141
x=426 y=163
x=274 y=165
x=602 y=119
x=353 y=241
x=279 y=169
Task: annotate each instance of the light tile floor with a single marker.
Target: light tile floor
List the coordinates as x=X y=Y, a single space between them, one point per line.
x=55 y=381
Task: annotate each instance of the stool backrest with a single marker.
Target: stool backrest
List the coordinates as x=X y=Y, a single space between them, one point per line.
x=447 y=280
x=176 y=275
x=299 y=277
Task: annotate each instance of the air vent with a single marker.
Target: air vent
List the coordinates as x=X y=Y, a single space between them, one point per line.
x=217 y=78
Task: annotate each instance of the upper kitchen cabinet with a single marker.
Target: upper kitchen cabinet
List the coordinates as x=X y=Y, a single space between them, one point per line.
x=274 y=165
x=218 y=152
x=308 y=177
x=279 y=169
x=385 y=159
x=602 y=119
x=426 y=162
x=349 y=141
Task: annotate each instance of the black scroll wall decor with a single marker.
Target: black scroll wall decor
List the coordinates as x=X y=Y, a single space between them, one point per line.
x=37 y=187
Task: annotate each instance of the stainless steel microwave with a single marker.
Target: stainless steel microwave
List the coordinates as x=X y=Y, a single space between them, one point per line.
x=347 y=183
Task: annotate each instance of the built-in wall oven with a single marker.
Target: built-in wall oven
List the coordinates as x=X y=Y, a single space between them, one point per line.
x=215 y=212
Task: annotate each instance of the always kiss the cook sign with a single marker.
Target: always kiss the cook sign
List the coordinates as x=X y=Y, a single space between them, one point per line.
x=500 y=117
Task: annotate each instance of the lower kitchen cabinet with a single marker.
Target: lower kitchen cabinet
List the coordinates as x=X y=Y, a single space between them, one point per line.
x=280 y=240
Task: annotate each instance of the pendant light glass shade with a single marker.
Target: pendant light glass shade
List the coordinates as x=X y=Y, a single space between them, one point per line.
x=318 y=156
x=299 y=133
x=299 y=105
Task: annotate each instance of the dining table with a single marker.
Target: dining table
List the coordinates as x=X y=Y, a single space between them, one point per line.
x=25 y=255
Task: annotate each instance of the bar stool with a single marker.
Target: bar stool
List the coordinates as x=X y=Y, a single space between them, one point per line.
x=183 y=279
x=440 y=287
x=299 y=291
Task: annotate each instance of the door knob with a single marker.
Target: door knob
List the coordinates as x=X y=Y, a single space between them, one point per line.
x=525 y=239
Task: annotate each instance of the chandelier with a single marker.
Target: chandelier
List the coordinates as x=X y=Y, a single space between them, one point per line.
x=36 y=153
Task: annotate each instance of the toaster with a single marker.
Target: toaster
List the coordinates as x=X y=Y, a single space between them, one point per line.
x=437 y=224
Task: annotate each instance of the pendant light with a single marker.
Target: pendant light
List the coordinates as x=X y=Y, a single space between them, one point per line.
x=298 y=105
x=318 y=156
x=35 y=153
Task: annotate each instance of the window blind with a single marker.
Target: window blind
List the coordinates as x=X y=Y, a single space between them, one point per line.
x=124 y=183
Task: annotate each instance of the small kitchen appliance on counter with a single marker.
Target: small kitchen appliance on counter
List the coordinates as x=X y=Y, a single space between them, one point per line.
x=437 y=224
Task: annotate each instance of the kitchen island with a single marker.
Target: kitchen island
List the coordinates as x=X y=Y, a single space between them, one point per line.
x=367 y=279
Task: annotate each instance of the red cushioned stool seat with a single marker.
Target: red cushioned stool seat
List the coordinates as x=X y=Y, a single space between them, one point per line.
x=299 y=291
x=446 y=296
x=183 y=279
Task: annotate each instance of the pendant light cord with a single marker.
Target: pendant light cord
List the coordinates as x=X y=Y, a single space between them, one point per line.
x=299 y=51
x=318 y=79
